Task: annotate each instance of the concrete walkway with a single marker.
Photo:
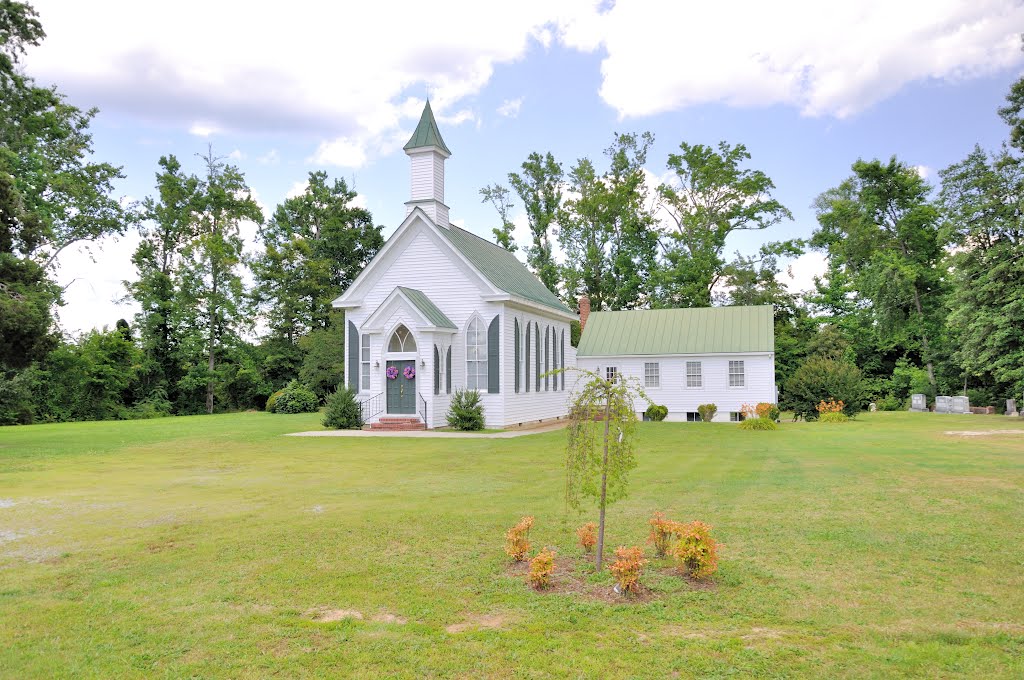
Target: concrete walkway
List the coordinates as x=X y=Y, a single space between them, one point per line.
x=433 y=434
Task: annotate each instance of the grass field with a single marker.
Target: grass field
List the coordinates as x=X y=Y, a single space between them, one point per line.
x=202 y=547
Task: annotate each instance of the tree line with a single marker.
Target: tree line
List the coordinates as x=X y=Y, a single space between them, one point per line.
x=924 y=289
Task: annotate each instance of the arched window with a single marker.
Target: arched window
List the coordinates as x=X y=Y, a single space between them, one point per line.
x=536 y=368
x=476 y=355
x=402 y=341
x=526 y=373
x=519 y=355
x=547 y=357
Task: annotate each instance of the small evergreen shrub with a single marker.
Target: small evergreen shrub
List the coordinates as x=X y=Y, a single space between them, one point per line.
x=541 y=568
x=628 y=567
x=890 y=402
x=271 y=404
x=465 y=412
x=296 y=398
x=656 y=413
x=343 y=411
x=517 y=539
x=588 y=537
x=696 y=552
x=821 y=377
x=663 y=530
x=757 y=424
x=833 y=417
x=707 y=412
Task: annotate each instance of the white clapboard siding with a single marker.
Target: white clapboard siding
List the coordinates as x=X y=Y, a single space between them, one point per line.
x=427 y=176
x=759 y=374
x=532 y=406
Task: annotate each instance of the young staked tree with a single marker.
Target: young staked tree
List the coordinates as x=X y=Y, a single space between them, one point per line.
x=881 y=229
x=212 y=296
x=539 y=186
x=601 y=449
x=607 y=229
x=710 y=197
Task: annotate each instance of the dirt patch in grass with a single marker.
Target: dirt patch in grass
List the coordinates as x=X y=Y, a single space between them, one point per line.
x=335 y=615
x=385 y=617
x=486 y=622
x=983 y=433
x=693 y=583
x=571 y=577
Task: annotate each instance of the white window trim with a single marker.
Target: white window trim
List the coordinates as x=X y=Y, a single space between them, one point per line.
x=656 y=376
x=742 y=374
x=364 y=364
x=699 y=375
x=476 y=318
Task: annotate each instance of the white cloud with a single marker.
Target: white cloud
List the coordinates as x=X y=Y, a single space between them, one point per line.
x=800 y=274
x=923 y=171
x=510 y=107
x=237 y=155
x=269 y=158
x=824 y=58
x=203 y=129
x=297 y=189
x=346 y=152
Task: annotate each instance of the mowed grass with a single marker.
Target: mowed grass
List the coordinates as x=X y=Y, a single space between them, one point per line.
x=199 y=547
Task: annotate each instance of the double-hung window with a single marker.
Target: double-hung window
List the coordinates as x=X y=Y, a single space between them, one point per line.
x=652 y=374
x=611 y=373
x=476 y=355
x=693 y=374
x=736 y=376
x=364 y=361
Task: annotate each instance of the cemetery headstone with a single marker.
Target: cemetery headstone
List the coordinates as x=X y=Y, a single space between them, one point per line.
x=961 y=405
x=918 y=403
x=943 y=404
x=872 y=407
x=1011 y=407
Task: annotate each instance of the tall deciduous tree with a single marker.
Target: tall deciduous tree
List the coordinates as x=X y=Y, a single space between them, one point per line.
x=710 y=197
x=212 y=268
x=539 y=186
x=316 y=244
x=880 y=227
x=983 y=218
x=498 y=196
x=607 y=229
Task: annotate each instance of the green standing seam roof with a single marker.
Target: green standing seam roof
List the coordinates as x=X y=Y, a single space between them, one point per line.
x=428 y=308
x=426 y=133
x=705 y=330
x=502 y=269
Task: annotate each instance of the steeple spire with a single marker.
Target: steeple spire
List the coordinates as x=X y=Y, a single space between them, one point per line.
x=427 y=134
x=427 y=153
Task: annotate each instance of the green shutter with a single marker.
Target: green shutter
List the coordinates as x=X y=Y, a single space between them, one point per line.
x=448 y=372
x=561 y=356
x=493 y=342
x=536 y=358
x=353 y=356
x=526 y=373
x=437 y=371
x=519 y=357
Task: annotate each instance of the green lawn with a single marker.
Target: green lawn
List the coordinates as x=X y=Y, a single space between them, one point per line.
x=198 y=547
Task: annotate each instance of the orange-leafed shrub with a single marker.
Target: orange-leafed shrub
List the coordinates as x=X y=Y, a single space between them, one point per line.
x=831 y=406
x=627 y=568
x=588 y=536
x=766 y=410
x=748 y=411
x=541 y=568
x=696 y=552
x=663 y=530
x=517 y=539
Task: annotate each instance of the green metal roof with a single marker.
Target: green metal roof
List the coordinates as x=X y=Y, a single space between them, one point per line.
x=426 y=133
x=502 y=268
x=428 y=308
x=705 y=330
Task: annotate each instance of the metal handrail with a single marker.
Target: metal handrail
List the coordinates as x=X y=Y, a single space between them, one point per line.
x=371 y=406
x=423 y=408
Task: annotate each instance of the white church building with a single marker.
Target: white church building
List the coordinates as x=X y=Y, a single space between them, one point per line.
x=439 y=309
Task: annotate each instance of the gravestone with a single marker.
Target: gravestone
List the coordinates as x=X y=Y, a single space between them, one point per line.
x=872 y=407
x=1011 y=407
x=961 y=405
x=918 y=403
x=943 y=404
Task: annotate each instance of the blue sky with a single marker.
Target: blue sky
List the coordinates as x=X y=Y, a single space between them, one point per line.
x=808 y=88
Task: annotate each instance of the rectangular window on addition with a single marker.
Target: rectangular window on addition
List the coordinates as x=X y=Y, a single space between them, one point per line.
x=736 y=376
x=735 y=416
x=652 y=374
x=692 y=417
x=693 y=375
x=364 y=360
x=611 y=373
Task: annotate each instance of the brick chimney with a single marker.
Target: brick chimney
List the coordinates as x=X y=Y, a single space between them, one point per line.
x=584 y=312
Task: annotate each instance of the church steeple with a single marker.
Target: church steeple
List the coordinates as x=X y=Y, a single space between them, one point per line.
x=427 y=153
